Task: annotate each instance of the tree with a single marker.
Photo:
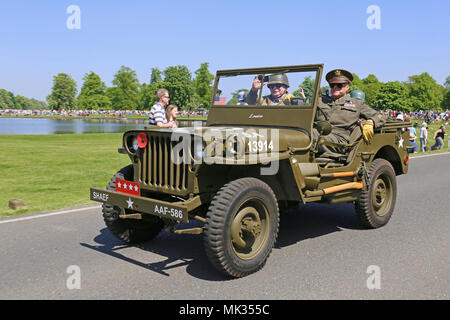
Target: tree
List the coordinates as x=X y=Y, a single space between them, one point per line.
x=371 y=86
x=202 y=85
x=356 y=84
x=92 y=95
x=446 y=101
x=178 y=81
x=426 y=93
x=393 y=95
x=234 y=97
x=447 y=82
x=6 y=99
x=63 y=93
x=156 y=76
x=124 y=95
x=308 y=88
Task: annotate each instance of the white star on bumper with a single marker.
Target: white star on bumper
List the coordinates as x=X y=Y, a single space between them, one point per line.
x=130 y=203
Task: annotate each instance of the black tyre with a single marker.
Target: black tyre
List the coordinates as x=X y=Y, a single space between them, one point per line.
x=129 y=230
x=241 y=227
x=375 y=206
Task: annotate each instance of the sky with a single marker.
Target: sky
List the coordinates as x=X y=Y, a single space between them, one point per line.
x=406 y=38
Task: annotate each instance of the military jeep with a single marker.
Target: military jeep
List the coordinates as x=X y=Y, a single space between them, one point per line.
x=246 y=165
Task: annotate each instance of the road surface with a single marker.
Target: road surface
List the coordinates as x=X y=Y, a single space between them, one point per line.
x=321 y=253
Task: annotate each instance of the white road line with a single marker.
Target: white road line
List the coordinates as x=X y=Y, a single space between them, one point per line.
x=48 y=214
x=430 y=155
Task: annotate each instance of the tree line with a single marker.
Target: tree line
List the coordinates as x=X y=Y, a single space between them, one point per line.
x=126 y=93
x=420 y=92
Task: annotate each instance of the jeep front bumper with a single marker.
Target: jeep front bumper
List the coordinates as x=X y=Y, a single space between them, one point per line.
x=171 y=210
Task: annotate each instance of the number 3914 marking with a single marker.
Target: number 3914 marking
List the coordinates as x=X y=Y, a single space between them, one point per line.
x=260 y=146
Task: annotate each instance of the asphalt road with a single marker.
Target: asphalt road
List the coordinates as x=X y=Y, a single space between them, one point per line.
x=321 y=253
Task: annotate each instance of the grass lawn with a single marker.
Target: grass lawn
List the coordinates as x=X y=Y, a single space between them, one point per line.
x=55 y=171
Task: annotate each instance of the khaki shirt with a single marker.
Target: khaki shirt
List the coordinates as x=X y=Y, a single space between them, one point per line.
x=284 y=100
x=344 y=113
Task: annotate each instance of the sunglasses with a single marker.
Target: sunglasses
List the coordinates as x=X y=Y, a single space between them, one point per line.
x=339 y=85
x=272 y=86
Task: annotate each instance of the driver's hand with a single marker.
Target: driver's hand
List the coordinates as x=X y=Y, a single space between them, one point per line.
x=256 y=83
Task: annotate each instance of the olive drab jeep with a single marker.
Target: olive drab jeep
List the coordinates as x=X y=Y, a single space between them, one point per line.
x=248 y=163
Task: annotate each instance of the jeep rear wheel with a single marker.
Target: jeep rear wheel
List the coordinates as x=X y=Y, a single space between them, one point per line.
x=375 y=205
x=129 y=230
x=241 y=227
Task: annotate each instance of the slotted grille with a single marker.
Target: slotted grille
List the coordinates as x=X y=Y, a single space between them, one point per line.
x=157 y=169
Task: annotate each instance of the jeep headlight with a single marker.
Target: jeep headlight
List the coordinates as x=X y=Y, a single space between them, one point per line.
x=132 y=143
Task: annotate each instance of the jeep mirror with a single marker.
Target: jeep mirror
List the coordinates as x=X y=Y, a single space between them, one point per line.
x=324 y=128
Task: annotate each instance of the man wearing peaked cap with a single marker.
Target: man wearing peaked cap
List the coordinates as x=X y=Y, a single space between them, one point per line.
x=343 y=112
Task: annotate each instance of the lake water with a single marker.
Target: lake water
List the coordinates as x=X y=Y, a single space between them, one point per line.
x=79 y=126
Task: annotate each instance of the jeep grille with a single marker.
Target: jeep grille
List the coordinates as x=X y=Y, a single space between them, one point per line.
x=157 y=171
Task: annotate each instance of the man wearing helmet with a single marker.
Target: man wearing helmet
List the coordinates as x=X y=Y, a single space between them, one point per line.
x=278 y=84
x=343 y=113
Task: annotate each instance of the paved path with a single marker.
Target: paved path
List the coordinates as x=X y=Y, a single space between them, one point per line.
x=322 y=253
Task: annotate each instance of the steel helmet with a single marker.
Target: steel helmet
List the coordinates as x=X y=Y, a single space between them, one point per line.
x=278 y=78
x=358 y=94
x=242 y=95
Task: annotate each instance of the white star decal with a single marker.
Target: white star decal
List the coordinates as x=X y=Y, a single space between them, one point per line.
x=400 y=142
x=130 y=203
x=120 y=185
x=130 y=187
x=135 y=188
x=124 y=185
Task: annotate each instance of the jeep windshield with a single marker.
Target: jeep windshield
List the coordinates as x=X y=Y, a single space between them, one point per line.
x=282 y=86
x=286 y=97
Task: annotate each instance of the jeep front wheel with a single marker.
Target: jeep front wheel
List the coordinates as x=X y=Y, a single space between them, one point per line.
x=241 y=227
x=375 y=205
x=129 y=230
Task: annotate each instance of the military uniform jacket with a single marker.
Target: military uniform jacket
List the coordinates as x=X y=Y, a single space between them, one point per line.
x=344 y=113
x=284 y=100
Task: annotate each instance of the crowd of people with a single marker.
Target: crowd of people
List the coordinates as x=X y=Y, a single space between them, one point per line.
x=92 y=113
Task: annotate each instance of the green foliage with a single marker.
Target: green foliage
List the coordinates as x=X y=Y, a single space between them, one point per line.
x=426 y=94
x=6 y=99
x=177 y=74
x=393 y=95
x=371 y=86
x=178 y=81
x=156 y=76
x=234 y=97
x=124 y=95
x=202 y=85
x=446 y=101
x=356 y=84
x=308 y=88
x=92 y=95
x=63 y=93
x=447 y=82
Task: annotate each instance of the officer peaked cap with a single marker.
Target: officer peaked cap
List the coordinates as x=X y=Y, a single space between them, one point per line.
x=339 y=75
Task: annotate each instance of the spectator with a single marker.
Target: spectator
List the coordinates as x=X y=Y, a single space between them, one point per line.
x=157 y=113
x=412 y=136
x=423 y=137
x=171 y=115
x=439 y=138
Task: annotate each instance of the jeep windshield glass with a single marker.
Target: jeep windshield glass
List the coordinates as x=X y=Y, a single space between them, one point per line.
x=284 y=88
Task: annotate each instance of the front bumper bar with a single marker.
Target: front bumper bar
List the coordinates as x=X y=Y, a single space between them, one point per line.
x=171 y=210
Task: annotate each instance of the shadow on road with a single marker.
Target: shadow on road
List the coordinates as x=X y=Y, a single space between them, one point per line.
x=310 y=221
x=315 y=220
